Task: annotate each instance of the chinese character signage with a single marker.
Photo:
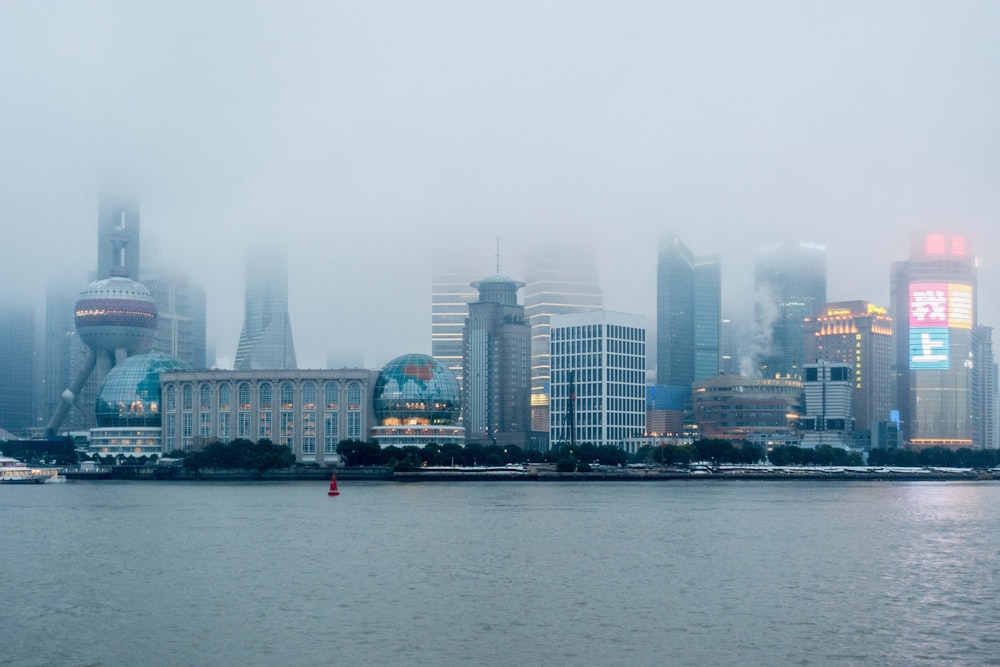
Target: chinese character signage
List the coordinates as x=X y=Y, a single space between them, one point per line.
x=940 y=305
x=929 y=349
x=939 y=244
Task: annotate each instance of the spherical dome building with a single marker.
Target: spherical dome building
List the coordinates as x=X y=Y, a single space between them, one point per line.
x=130 y=393
x=116 y=313
x=417 y=401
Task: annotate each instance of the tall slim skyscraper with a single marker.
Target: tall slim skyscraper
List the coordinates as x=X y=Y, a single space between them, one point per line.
x=496 y=365
x=560 y=280
x=266 y=338
x=934 y=308
x=451 y=292
x=790 y=284
x=181 y=316
x=859 y=334
x=688 y=315
x=17 y=372
x=984 y=390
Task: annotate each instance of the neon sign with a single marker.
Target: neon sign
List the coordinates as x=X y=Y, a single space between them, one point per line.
x=929 y=349
x=941 y=305
x=939 y=244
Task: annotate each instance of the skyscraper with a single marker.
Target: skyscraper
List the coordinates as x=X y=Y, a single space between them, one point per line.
x=934 y=308
x=181 y=316
x=859 y=334
x=559 y=280
x=688 y=315
x=266 y=339
x=790 y=285
x=451 y=292
x=984 y=390
x=496 y=365
x=17 y=367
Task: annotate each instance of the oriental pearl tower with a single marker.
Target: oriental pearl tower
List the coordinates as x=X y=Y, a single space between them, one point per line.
x=115 y=315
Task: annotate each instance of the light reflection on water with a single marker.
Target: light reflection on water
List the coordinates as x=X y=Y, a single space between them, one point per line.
x=501 y=573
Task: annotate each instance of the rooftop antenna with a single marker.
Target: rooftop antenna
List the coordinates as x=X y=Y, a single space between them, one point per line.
x=498 y=255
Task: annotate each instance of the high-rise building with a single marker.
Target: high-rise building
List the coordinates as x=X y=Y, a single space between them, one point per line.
x=984 y=389
x=559 y=280
x=17 y=370
x=598 y=376
x=496 y=365
x=181 y=317
x=828 y=419
x=451 y=293
x=857 y=333
x=118 y=237
x=934 y=309
x=266 y=338
x=688 y=315
x=790 y=285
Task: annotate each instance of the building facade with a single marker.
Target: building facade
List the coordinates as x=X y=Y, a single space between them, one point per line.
x=496 y=366
x=860 y=334
x=598 y=371
x=180 y=316
x=828 y=415
x=118 y=236
x=934 y=308
x=764 y=412
x=984 y=390
x=790 y=286
x=266 y=338
x=688 y=315
x=451 y=293
x=309 y=411
x=559 y=280
x=17 y=367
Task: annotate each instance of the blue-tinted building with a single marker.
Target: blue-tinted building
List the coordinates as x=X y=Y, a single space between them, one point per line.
x=417 y=401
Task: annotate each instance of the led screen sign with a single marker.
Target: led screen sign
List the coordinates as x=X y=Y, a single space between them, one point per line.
x=929 y=349
x=940 y=305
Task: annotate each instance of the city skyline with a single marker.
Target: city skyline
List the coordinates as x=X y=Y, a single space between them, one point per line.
x=751 y=125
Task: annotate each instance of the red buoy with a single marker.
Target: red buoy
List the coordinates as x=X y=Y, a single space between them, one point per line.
x=333 y=486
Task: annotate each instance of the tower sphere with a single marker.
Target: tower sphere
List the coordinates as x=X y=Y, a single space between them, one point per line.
x=115 y=313
x=417 y=389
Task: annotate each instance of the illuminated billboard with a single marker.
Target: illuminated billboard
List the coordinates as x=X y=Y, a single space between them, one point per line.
x=929 y=349
x=940 y=305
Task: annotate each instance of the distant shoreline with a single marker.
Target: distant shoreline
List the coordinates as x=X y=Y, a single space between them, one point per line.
x=529 y=474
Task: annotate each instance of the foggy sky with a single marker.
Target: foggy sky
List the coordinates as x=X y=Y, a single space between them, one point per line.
x=363 y=135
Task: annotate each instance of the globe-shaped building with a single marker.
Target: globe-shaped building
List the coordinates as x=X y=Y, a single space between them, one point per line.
x=130 y=393
x=116 y=313
x=417 y=389
x=417 y=401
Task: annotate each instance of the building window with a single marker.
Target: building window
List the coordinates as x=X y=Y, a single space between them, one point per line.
x=286 y=396
x=265 y=396
x=354 y=396
x=244 y=396
x=309 y=395
x=224 y=434
x=187 y=427
x=204 y=425
x=225 y=396
x=264 y=425
x=171 y=398
x=331 y=429
x=205 y=397
x=243 y=424
x=287 y=428
x=332 y=391
x=187 y=401
x=353 y=425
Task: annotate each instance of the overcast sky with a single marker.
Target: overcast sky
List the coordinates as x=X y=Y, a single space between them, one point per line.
x=363 y=135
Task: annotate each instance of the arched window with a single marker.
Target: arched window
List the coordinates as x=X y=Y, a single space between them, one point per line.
x=225 y=396
x=187 y=400
x=354 y=396
x=309 y=394
x=205 y=397
x=286 y=395
x=265 y=396
x=332 y=395
x=171 y=398
x=244 y=396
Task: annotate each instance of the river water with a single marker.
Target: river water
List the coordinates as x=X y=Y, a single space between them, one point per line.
x=506 y=573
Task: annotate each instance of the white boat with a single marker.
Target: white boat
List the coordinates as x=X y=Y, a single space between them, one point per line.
x=13 y=471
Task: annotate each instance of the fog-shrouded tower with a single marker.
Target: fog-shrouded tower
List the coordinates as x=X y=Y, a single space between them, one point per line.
x=790 y=285
x=118 y=237
x=266 y=338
